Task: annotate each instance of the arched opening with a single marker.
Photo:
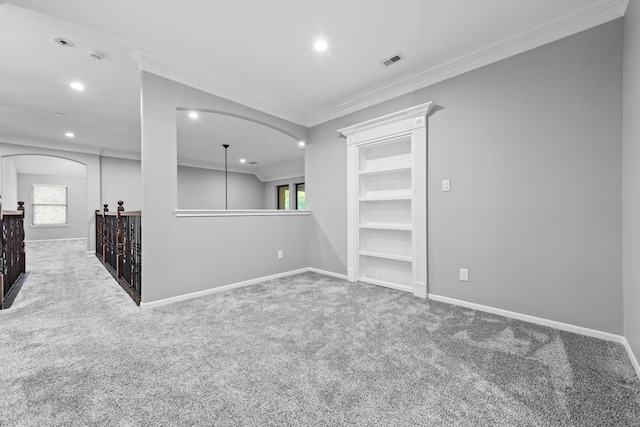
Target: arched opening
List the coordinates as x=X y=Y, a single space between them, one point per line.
x=259 y=158
x=55 y=192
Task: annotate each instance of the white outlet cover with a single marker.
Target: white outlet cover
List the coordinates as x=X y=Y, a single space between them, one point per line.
x=464 y=274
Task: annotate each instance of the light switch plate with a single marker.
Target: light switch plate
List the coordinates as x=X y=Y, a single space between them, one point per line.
x=446 y=185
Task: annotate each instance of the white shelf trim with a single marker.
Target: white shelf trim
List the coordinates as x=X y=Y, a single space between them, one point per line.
x=385 y=171
x=395 y=257
x=392 y=285
x=383 y=198
x=395 y=227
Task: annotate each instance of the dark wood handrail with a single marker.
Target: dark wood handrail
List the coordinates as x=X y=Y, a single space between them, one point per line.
x=119 y=248
x=12 y=258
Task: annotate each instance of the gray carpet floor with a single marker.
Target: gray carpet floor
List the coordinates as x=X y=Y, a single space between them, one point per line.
x=304 y=350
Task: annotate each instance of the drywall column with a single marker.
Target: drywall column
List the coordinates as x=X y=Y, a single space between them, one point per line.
x=159 y=181
x=631 y=177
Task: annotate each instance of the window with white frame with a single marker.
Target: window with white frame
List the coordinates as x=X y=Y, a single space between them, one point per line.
x=49 y=203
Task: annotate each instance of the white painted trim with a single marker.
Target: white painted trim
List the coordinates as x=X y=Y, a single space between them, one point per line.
x=571 y=22
x=532 y=319
x=56 y=240
x=546 y=322
x=191 y=74
x=327 y=273
x=632 y=357
x=172 y=300
x=186 y=213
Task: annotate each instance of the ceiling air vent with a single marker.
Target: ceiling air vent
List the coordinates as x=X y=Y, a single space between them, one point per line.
x=252 y=163
x=64 y=42
x=390 y=61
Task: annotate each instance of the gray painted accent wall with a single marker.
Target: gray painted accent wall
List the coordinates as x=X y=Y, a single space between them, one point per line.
x=631 y=177
x=533 y=148
x=76 y=207
x=189 y=255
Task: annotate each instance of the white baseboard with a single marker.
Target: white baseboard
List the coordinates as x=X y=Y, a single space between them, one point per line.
x=632 y=356
x=172 y=300
x=55 y=240
x=532 y=319
x=546 y=322
x=327 y=273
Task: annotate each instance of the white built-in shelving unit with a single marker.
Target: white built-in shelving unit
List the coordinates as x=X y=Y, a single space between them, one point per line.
x=387 y=191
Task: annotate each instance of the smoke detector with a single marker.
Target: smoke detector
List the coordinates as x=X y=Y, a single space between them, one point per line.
x=96 y=54
x=64 y=42
x=392 y=60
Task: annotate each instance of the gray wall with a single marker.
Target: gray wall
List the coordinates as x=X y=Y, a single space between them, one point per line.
x=532 y=146
x=204 y=189
x=197 y=254
x=631 y=177
x=9 y=184
x=121 y=181
x=76 y=207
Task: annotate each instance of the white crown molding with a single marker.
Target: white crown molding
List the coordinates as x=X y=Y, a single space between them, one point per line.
x=279 y=176
x=67 y=146
x=192 y=75
x=571 y=22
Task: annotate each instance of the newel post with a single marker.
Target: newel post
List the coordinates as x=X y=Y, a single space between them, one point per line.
x=105 y=209
x=120 y=240
x=23 y=262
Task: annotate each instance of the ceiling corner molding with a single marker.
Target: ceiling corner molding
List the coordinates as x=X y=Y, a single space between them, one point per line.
x=279 y=176
x=49 y=144
x=557 y=27
x=192 y=75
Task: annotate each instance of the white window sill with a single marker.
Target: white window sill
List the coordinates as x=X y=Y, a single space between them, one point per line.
x=49 y=226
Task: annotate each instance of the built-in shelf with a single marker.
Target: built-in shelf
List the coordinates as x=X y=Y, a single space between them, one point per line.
x=399 y=227
x=387 y=284
x=383 y=198
x=386 y=189
x=384 y=171
x=396 y=257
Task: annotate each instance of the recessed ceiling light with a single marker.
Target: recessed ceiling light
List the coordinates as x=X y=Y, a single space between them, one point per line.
x=69 y=134
x=193 y=115
x=301 y=144
x=243 y=160
x=77 y=86
x=321 y=45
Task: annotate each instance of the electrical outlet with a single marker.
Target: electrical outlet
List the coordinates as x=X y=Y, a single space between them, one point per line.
x=464 y=274
x=280 y=254
x=446 y=185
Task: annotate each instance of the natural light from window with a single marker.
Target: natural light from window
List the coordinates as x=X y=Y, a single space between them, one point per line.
x=49 y=204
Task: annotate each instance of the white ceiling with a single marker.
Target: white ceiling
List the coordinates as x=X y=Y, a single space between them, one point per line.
x=255 y=52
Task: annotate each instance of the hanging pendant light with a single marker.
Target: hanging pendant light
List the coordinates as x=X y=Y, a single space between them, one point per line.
x=226 y=146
